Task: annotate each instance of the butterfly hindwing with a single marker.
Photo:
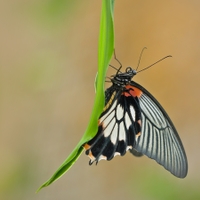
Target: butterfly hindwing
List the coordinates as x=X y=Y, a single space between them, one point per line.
x=118 y=127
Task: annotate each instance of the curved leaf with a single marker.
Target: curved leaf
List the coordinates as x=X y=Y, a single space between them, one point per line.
x=105 y=51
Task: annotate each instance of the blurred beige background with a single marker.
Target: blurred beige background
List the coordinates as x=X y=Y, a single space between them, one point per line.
x=48 y=62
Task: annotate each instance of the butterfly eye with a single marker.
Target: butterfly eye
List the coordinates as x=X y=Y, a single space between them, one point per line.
x=131 y=72
x=128 y=69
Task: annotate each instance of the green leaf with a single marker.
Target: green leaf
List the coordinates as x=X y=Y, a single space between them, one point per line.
x=105 y=51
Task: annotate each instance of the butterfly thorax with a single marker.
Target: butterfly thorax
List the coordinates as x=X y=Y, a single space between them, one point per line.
x=120 y=80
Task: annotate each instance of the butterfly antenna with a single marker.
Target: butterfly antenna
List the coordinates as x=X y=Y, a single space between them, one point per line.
x=154 y=63
x=140 y=57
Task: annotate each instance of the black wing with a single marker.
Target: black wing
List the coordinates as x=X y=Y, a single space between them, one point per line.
x=119 y=124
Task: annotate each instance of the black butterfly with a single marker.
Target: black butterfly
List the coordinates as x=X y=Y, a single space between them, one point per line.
x=133 y=120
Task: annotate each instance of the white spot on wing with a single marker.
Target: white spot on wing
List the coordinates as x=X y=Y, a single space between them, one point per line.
x=122 y=132
x=127 y=120
x=109 y=127
x=114 y=135
x=128 y=147
x=106 y=119
x=119 y=112
x=117 y=154
x=101 y=157
x=132 y=110
x=108 y=112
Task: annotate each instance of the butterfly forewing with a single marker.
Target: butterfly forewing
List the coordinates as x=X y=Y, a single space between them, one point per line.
x=133 y=120
x=159 y=139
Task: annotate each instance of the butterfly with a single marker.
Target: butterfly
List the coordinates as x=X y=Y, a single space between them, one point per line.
x=133 y=120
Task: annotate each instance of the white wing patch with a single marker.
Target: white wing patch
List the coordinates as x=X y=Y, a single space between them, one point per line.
x=109 y=126
x=114 y=136
x=108 y=113
x=132 y=110
x=127 y=120
x=122 y=135
x=119 y=112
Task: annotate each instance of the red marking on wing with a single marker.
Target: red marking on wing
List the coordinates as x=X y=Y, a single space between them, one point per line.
x=86 y=146
x=133 y=91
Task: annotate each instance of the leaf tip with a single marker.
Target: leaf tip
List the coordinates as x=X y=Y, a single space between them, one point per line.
x=42 y=186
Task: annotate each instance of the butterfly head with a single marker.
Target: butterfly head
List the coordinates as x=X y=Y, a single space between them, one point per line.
x=121 y=79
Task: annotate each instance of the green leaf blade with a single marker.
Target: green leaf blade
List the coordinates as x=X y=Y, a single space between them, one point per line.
x=105 y=51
